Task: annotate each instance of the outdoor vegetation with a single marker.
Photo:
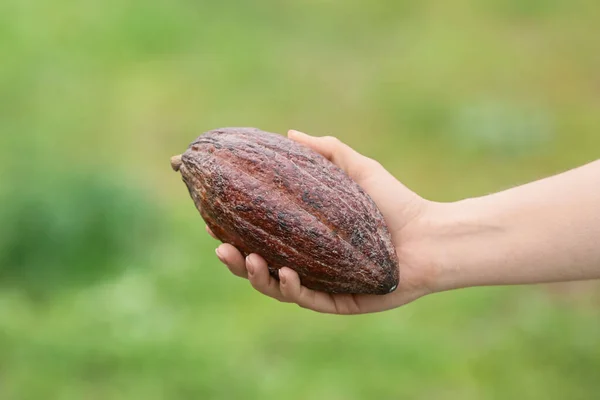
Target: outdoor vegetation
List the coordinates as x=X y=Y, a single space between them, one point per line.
x=109 y=285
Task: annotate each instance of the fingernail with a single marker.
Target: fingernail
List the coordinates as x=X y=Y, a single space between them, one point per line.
x=282 y=277
x=218 y=252
x=249 y=266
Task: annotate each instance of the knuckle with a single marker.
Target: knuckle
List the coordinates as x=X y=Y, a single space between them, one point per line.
x=332 y=140
x=367 y=168
x=371 y=163
x=241 y=274
x=374 y=163
x=255 y=283
x=287 y=296
x=233 y=270
x=264 y=292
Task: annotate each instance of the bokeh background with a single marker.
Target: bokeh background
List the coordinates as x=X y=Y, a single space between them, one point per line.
x=109 y=288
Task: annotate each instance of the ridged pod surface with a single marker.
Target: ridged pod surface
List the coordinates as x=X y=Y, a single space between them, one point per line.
x=269 y=195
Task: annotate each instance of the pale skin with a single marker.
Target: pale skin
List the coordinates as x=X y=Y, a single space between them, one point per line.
x=545 y=231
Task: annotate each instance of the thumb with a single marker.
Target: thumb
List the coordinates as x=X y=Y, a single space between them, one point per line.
x=342 y=155
x=388 y=193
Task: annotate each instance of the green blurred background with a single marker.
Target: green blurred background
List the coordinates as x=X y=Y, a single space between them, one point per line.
x=109 y=287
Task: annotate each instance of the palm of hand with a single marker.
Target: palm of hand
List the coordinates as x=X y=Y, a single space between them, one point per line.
x=400 y=208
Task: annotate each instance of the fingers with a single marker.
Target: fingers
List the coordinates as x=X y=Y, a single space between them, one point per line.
x=293 y=291
x=259 y=277
x=344 y=304
x=289 y=287
x=234 y=260
x=253 y=267
x=342 y=155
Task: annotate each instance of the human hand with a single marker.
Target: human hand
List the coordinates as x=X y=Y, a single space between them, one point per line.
x=402 y=210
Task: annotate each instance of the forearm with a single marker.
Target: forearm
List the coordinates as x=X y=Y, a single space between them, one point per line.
x=545 y=231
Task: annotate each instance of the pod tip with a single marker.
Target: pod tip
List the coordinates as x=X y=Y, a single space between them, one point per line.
x=176 y=162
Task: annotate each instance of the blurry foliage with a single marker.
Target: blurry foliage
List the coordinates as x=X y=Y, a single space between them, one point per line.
x=502 y=129
x=524 y=8
x=122 y=86
x=60 y=230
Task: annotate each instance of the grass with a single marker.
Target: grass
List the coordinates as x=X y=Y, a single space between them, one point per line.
x=457 y=99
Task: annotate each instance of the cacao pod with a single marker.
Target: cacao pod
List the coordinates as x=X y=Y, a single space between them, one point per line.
x=269 y=195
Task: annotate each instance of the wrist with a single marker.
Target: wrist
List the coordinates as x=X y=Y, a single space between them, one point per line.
x=453 y=244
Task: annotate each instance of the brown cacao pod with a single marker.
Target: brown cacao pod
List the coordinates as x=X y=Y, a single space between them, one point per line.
x=269 y=195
